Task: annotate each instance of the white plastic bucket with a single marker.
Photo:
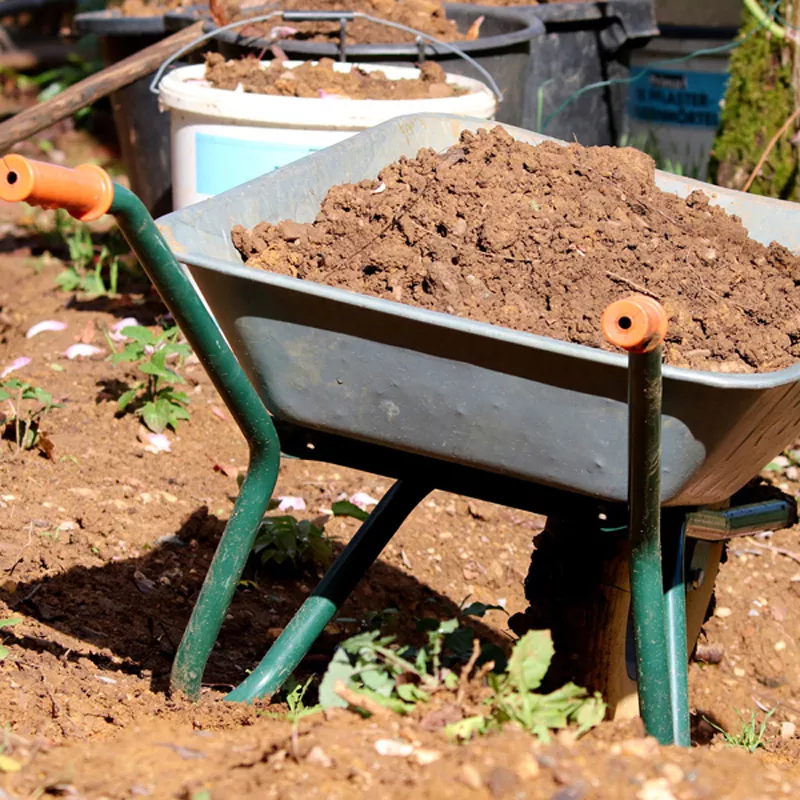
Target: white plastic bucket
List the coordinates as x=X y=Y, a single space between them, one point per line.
x=673 y=111
x=221 y=138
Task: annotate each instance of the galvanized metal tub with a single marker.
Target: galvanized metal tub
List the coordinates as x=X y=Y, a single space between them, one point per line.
x=438 y=385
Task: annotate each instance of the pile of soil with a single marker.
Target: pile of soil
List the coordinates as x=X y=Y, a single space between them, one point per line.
x=321 y=80
x=150 y=8
x=427 y=16
x=541 y=239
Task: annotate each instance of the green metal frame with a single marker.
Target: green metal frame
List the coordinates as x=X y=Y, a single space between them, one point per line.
x=658 y=605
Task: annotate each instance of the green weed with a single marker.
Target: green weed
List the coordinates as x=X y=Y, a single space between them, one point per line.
x=750 y=735
x=514 y=698
x=398 y=678
x=88 y=263
x=27 y=406
x=7 y=623
x=155 y=399
x=53 y=81
x=286 y=540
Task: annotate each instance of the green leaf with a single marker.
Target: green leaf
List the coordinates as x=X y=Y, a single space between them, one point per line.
x=590 y=713
x=466 y=728
x=411 y=693
x=126 y=398
x=479 y=609
x=179 y=413
x=68 y=280
x=4 y=395
x=155 y=416
x=340 y=669
x=151 y=368
x=530 y=660
x=45 y=398
x=7 y=623
x=344 y=508
x=378 y=680
x=139 y=334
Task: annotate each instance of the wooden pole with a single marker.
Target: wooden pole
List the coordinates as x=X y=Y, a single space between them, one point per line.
x=91 y=89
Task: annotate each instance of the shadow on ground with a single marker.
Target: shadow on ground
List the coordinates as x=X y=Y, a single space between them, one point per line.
x=135 y=609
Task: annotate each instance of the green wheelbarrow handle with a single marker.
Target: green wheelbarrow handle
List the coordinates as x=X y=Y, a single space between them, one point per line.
x=87 y=193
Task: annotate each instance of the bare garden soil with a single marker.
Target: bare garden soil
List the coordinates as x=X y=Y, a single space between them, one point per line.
x=103 y=547
x=542 y=239
x=322 y=80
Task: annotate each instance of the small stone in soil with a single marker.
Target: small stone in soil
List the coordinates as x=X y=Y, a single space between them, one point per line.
x=502 y=781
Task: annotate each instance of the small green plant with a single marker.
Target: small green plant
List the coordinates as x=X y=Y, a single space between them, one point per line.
x=295 y=699
x=750 y=735
x=28 y=405
x=7 y=623
x=377 y=669
x=514 y=697
x=155 y=399
x=285 y=539
x=87 y=263
x=399 y=677
x=53 y=81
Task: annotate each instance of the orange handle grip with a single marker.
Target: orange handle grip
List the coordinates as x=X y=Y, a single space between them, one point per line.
x=86 y=192
x=637 y=323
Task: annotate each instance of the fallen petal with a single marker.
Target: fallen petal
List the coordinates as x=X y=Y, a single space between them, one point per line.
x=291 y=504
x=17 y=363
x=363 y=500
x=82 y=351
x=45 y=325
x=394 y=747
x=218 y=412
x=115 y=333
x=282 y=32
x=154 y=442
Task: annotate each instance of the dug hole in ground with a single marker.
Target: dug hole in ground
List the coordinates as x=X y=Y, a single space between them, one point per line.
x=104 y=546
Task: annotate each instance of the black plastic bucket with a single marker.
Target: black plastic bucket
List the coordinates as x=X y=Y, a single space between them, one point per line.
x=504 y=49
x=584 y=44
x=143 y=132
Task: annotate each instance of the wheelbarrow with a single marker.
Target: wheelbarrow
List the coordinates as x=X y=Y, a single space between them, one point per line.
x=440 y=402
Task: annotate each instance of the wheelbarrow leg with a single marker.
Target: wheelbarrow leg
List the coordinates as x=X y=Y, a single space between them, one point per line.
x=318 y=610
x=638 y=324
x=673 y=554
x=246 y=408
x=223 y=576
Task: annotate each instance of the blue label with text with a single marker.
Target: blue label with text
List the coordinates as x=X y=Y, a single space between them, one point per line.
x=222 y=163
x=666 y=97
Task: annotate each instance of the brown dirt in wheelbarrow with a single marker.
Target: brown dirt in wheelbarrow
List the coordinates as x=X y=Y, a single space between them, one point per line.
x=542 y=239
x=318 y=80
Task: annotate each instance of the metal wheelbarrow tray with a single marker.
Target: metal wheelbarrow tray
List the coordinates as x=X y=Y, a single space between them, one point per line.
x=436 y=385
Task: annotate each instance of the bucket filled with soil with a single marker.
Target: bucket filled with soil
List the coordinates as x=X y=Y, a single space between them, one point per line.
x=235 y=120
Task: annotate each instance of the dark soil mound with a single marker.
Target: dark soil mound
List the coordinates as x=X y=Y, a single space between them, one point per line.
x=427 y=16
x=542 y=239
x=319 y=80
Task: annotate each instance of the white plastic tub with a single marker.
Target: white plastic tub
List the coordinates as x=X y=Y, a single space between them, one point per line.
x=221 y=138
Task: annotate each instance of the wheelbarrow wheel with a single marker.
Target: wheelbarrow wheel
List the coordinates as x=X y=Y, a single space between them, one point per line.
x=578 y=587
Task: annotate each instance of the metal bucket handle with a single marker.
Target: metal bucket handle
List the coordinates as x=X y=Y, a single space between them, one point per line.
x=343 y=17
